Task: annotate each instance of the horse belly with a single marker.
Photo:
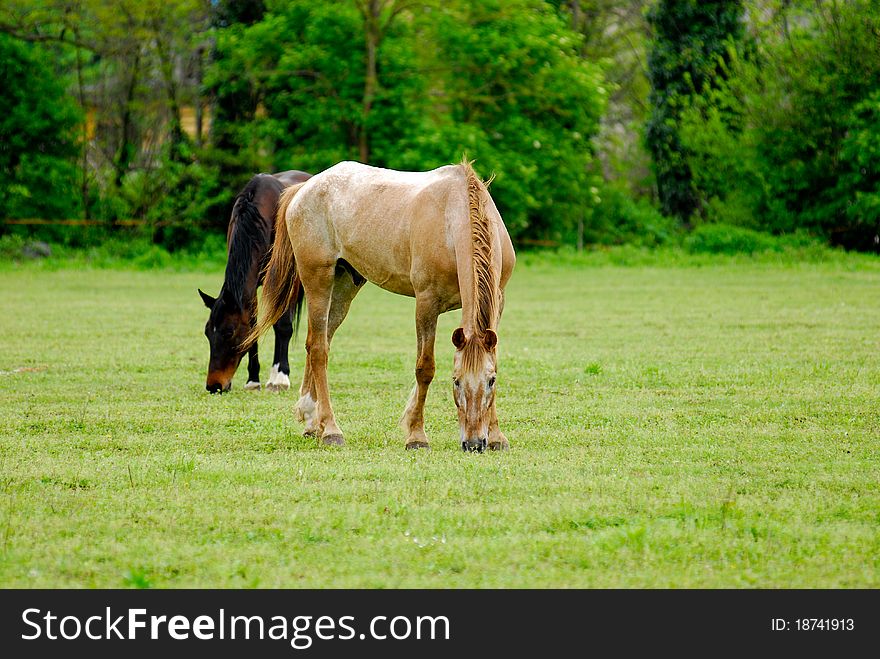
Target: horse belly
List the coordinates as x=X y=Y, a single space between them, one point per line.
x=382 y=261
x=396 y=285
x=384 y=275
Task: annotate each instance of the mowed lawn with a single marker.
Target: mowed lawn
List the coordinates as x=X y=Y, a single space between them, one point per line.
x=711 y=426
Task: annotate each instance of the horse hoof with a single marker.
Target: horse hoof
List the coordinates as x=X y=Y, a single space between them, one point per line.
x=311 y=434
x=503 y=445
x=277 y=386
x=252 y=386
x=417 y=444
x=333 y=440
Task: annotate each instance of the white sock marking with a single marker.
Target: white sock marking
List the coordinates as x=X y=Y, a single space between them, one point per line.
x=305 y=409
x=278 y=381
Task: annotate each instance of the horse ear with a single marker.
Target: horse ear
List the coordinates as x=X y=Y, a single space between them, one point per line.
x=490 y=340
x=207 y=299
x=458 y=339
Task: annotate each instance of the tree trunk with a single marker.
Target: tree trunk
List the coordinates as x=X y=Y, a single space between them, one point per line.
x=576 y=15
x=166 y=64
x=127 y=145
x=84 y=189
x=200 y=55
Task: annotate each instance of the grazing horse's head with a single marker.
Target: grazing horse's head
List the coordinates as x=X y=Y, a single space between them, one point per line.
x=226 y=329
x=473 y=386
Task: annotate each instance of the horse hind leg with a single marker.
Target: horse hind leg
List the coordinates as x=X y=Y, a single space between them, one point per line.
x=305 y=409
x=279 y=376
x=497 y=440
x=278 y=379
x=253 y=381
x=345 y=288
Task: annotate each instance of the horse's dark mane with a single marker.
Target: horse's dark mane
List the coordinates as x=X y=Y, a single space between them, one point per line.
x=248 y=240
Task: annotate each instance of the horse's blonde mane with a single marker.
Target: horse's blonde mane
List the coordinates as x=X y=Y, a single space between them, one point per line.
x=486 y=296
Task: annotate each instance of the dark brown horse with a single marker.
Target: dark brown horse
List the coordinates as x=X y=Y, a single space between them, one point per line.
x=233 y=312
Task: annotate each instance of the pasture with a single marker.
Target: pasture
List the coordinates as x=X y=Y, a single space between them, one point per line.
x=672 y=425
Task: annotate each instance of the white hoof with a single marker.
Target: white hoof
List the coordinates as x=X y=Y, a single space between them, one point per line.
x=278 y=381
x=252 y=386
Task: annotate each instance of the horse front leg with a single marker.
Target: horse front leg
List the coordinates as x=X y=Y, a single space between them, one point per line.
x=497 y=440
x=413 y=419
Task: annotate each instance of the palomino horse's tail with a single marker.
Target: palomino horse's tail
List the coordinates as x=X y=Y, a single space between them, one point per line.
x=282 y=289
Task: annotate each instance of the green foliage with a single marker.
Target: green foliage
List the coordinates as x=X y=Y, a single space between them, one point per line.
x=619 y=218
x=124 y=249
x=859 y=182
x=501 y=82
x=232 y=84
x=523 y=103
x=714 y=147
x=765 y=119
x=692 y=40
x=803 y=150
x=38 y=136
x=615 y=34
x=184 y=195
x=176 y=197
x=722 y=238
x=313 y=96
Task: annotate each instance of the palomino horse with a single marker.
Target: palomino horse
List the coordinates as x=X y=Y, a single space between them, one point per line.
x=436 y=236
x=248 y=240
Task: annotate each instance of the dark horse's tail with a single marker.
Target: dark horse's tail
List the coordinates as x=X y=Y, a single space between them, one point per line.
x=282 y=289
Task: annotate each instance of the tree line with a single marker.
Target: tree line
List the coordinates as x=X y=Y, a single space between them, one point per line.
x=603 y=122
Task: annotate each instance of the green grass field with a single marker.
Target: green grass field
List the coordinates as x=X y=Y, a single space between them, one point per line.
x=671 y=426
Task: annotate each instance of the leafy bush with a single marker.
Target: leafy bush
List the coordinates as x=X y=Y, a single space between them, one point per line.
x=728 y=239
x=858 y=187
x=619 y=218
x=38 y=136
x=503 y=82
x=691 y=43
x=11 y=246
x=804 y=149
x=179 y=198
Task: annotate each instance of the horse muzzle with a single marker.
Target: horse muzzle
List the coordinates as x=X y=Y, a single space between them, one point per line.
x=474 y=445
x=218 y=388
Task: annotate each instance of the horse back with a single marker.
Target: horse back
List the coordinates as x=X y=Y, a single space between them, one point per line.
x=292 y=176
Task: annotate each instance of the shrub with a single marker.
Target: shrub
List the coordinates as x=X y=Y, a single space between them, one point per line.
x=619 y=218
x=728 y=239
x=803 y=151
x=691 y=44
x=38 y=136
